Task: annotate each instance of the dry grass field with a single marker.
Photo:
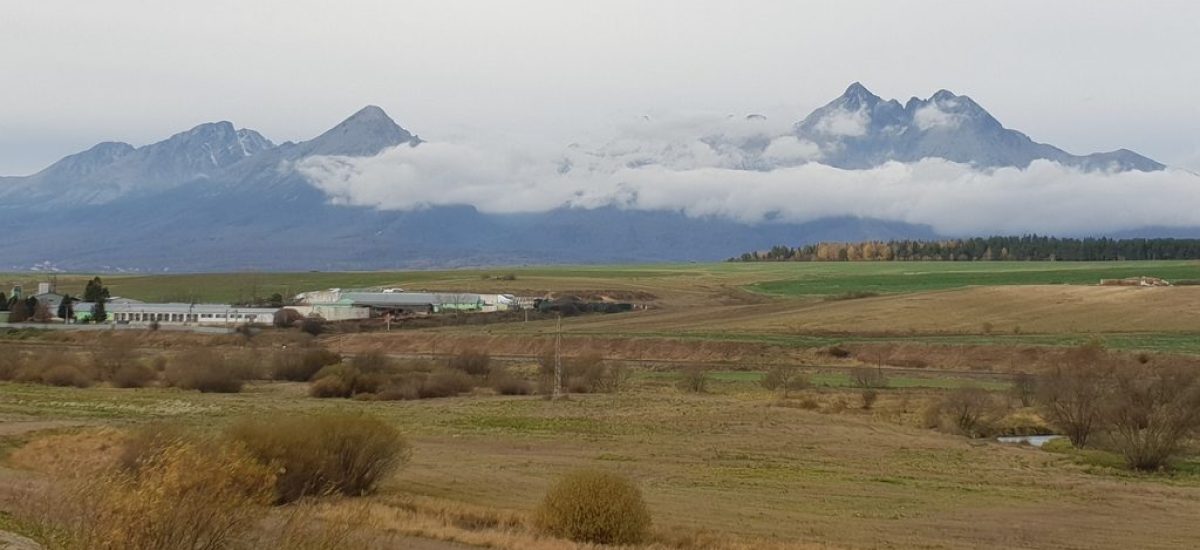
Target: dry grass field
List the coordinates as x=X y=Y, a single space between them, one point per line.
x=737 y=466
x=738 y=462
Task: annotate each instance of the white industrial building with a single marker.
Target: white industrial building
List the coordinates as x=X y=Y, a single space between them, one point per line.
x=395 y=300
x=187 y=314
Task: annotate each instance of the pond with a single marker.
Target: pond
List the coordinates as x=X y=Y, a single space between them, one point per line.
x=1035 y=440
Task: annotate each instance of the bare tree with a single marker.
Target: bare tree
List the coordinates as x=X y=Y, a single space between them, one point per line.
x=785 y=379
x=868 y=377
x=1024 y=388
x=967 y=407
x=1072 y=394
x=1152 y=412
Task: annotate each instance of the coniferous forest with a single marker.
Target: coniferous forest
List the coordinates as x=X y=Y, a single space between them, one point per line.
x=1024 y=248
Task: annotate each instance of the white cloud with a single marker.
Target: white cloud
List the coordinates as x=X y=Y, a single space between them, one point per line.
x=791 y=149
x=841 y=122
x=722 y=176
x=932 y=116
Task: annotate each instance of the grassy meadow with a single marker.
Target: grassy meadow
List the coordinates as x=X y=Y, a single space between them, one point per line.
x=735 y=466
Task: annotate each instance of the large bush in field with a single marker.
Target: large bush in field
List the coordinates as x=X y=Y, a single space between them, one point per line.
x=595 y=507
x=180 y=496
x=328 y=453
x=206 y=371
x=300 y=365
x=475 y=363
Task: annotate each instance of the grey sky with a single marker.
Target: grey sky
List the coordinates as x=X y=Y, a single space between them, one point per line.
x=1084 y=75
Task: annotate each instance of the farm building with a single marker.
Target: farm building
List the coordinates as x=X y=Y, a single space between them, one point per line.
x=397 y=301
x=179 y=314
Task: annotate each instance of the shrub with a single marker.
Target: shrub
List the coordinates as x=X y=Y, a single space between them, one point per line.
x=146 y=441
x=475 y=363
x=11 y=362
x=1072 y=394
x=838 y=351
x=587 y=373
x=345 y=380
x=966 y=408
x=206 y=371
x=446 y=382
x=403 y=387
x=1024 y=388
x=868 y=377
x=506 y=383
x=869 y=396
x=1152 y=412
x=784 y=379
x=133 y=375
x=66 y=375
x=372 y=362
x=286 y=317
x=300 y=365
x=594 y=507
x=185 y=496
x=331 y=386
x=312 y=326
x=694 y=380
x=342 y=453
x=113 y=353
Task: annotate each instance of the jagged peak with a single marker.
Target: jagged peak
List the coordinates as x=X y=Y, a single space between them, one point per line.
x=367 y=132
x=856 y=89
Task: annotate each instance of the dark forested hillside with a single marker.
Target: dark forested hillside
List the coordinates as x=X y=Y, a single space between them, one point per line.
x=1029 y=247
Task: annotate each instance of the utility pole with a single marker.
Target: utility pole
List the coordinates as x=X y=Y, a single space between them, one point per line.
x=557 y=394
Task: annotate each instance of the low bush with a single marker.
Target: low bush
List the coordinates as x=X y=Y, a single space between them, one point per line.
x=837 y=351
x=66 y=375
x=869 y=397
x=506 y=383
x=868 y=377
x=403 y=387
x=372 y=362
x=144 y=442
x=312 y=327
x=328 y=453
x=967 y=409
x=300 y=365
x=346 y=380
x=588 y=373
x=11 y=362
x=785 y=380
x=185 y=496
x=594 y=507
x=331 y=386
x=206 y=371
x=134 y=375
x=475 y=363
x=446 y=382
x=694 y=380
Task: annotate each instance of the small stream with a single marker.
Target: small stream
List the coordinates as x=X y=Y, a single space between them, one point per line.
x=1034 y=440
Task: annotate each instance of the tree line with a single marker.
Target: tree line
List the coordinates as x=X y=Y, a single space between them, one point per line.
x=1013 y=248
x=30 y=308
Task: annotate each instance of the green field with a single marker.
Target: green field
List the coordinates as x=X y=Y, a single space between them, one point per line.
x=784 y=279
x=832 y=279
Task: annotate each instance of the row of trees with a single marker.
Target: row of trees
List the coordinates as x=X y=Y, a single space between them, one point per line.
x=31 y=309
x=1028 y=247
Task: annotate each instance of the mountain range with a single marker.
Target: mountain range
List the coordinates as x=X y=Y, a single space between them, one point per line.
x=217 y=197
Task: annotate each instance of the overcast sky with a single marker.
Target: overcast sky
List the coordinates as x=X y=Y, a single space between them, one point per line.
x=1085 y=75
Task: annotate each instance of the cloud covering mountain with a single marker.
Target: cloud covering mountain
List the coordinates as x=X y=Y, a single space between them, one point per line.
x=370 y=194
x=942 y=162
